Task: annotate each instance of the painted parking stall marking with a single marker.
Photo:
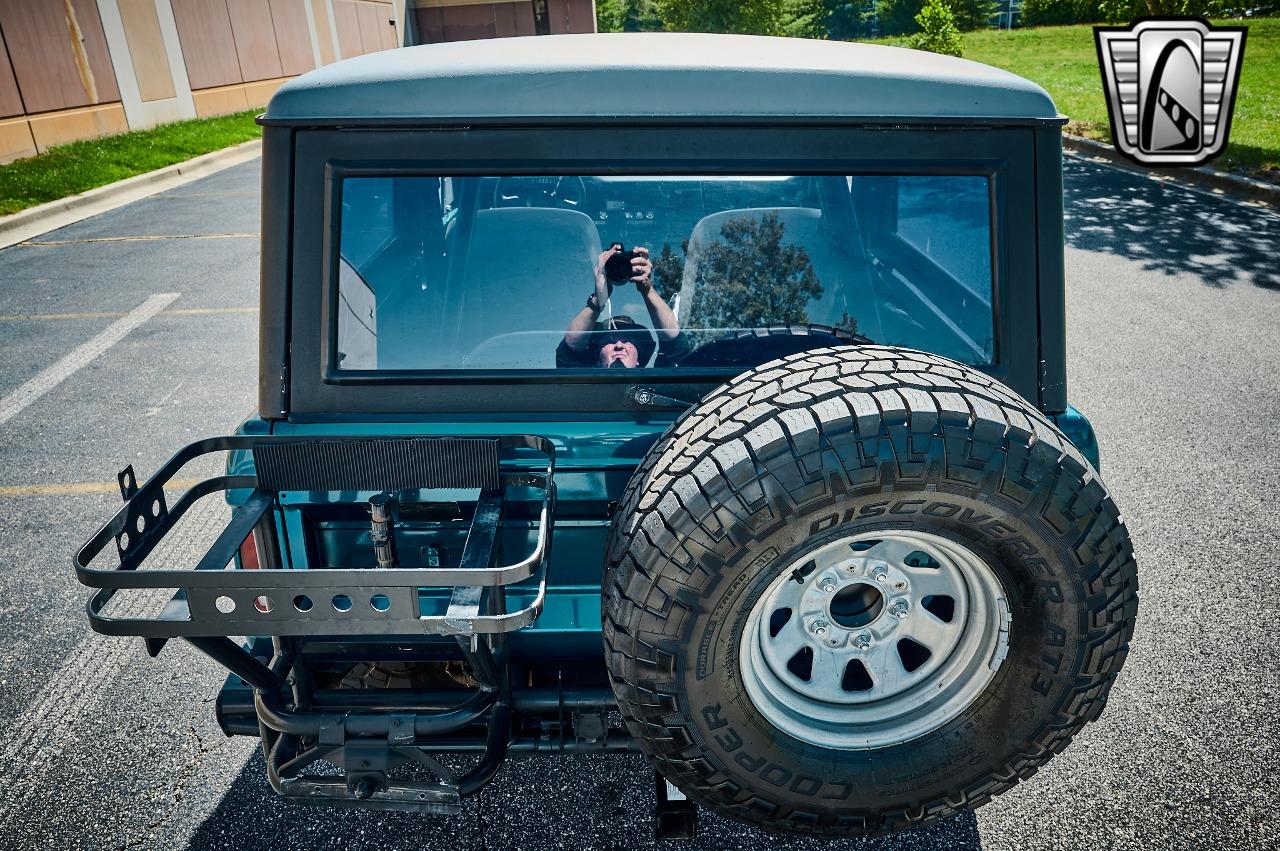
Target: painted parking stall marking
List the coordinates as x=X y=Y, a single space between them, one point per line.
x=79 y=488
x=79 y=357
x=45 y=243
x=116 y=314
x=35 y=742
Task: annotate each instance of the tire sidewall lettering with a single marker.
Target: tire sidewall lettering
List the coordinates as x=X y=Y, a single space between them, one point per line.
x=1021 y=562
x=770 y=772
x=759 y=504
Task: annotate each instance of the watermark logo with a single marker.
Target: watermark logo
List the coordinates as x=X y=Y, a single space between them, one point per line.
x=1171 y=86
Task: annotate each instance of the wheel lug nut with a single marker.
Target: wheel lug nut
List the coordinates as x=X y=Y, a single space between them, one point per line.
x=862 y=641
x=828 y=585
x=881 y=576
x=819 y=627
x=899 y=609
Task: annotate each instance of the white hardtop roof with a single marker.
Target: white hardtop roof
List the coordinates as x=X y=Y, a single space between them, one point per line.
x=656 y=75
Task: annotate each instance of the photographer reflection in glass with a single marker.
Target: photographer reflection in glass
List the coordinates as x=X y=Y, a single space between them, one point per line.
x=619 y=342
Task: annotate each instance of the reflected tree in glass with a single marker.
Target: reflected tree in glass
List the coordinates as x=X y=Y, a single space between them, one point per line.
x=750 y=278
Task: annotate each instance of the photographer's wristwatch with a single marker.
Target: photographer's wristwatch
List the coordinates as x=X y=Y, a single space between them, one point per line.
x=593 y=303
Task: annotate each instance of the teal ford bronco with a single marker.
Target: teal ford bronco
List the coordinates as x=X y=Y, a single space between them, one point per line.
x=702 y=396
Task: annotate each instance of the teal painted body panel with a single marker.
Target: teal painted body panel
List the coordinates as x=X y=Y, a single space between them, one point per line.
x=594 y=460
x=1079 y=431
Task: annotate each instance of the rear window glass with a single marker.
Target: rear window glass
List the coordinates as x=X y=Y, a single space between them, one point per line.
x=667 y=272
x=944 y=220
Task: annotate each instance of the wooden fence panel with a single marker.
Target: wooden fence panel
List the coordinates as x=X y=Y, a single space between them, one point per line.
x=498 y=20
x=59 y=53
x=208 y=44
x=348 y=22
x=146 y=49
x=10 y=98
x=512 y=19
x=571 y=16
x=255 y=39
x=293 y=37
x=430 y=25
x=324 y=31
x=462 y=23
x=372 y=18
x=389 y=37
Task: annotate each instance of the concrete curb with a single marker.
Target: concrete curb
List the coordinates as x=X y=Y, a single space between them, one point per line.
x=1202 y=177
x=35 y=221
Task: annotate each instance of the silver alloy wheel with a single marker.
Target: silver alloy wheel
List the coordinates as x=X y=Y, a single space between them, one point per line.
x=874 y=639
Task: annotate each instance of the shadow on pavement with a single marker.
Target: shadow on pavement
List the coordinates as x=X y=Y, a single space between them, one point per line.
x=1168 y=229
x=598 y=802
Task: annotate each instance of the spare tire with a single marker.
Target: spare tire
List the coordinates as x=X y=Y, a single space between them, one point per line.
x=861 y=588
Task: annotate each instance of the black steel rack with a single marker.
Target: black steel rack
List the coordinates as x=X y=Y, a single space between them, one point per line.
x=286 y=607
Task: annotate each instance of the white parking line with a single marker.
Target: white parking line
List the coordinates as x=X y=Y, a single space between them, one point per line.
x=116 y=314
x=18 y=400
x=38 y=243
x=78 y=488
x=67 y=706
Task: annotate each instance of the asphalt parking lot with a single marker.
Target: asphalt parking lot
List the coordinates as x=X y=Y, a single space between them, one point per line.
x=1174 y=335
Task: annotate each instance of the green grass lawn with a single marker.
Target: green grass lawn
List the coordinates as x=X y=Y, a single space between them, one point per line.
x=68 y=169
x=1064 y=61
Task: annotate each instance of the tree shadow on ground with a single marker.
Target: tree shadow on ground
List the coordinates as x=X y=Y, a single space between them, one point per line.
x=1169 y=229
x=1251 y=159
x=583 y=802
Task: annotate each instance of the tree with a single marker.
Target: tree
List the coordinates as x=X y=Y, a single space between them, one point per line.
x=838 y=20
x=614 y=16
x=609 y=14
x=845 y=20
x=806 y=19
x=898 y=17
x=938 y=31
x=1051 y=12
x=974 y=14
x=641 y=16
x=761 y=17
x=749 y=278
x=1123 y=11
x=668 y=269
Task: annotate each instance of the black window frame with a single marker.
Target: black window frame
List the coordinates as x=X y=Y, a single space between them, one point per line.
x=323 y=157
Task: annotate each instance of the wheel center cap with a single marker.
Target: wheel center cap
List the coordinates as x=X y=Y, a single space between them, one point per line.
x=874 y=639
x=858 y=603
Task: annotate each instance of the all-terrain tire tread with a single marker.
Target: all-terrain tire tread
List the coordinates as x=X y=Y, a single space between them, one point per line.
x=821 y=424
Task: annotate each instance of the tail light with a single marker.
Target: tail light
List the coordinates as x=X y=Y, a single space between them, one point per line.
x=249 y=553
